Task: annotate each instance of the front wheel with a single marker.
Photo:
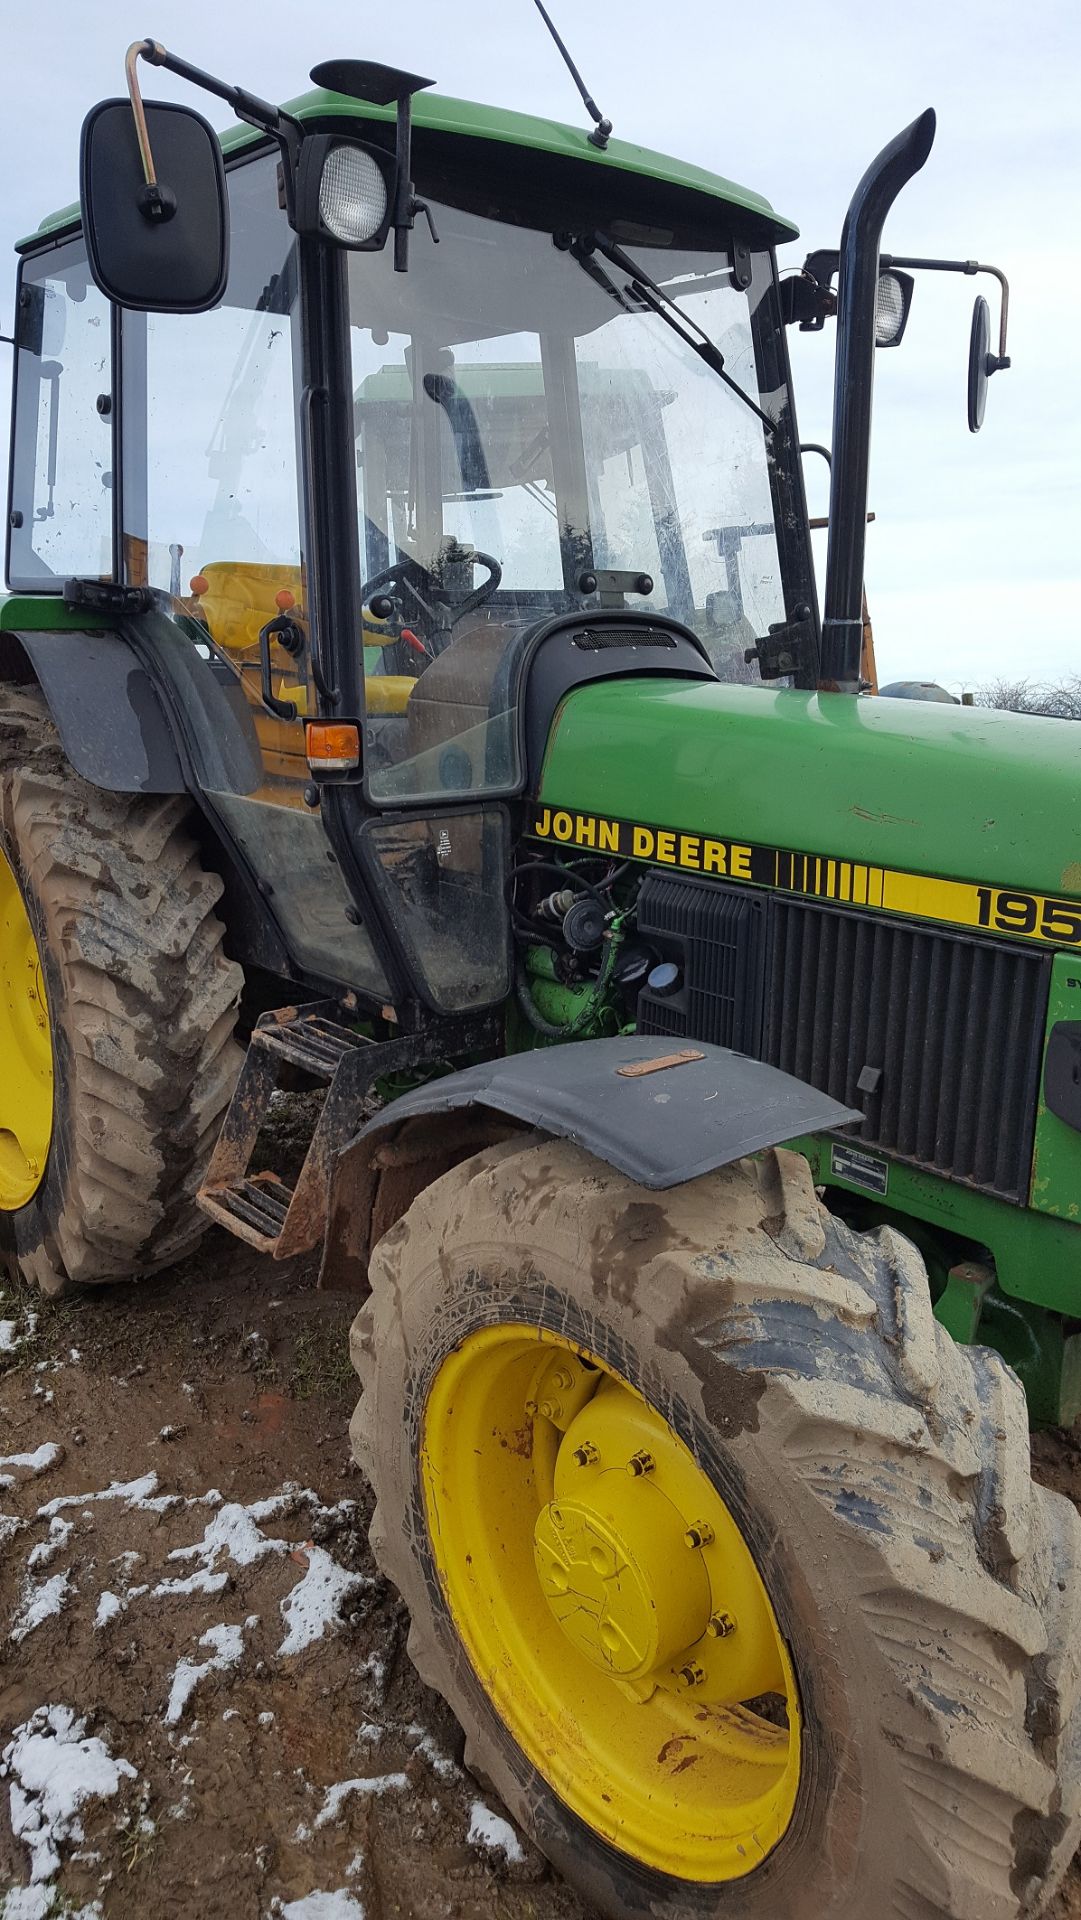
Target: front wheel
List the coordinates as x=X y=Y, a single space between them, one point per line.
x=727 y=1559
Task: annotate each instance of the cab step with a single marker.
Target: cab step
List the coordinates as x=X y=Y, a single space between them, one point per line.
x=262 y=1208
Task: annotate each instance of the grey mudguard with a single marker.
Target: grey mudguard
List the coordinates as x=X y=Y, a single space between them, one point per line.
x=135 y=708
x=107 y=712
x=660 y=1127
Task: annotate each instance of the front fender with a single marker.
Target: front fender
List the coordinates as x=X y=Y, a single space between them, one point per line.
x=658 y=1113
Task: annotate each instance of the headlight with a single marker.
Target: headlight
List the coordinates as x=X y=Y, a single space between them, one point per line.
x=352 y=195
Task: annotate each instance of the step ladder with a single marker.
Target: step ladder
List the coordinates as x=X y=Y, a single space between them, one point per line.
x=260 y=1207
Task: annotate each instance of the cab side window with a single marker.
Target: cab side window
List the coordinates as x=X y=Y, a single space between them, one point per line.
x=62 y=498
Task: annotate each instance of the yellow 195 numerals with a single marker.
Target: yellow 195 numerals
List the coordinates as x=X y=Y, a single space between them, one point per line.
x=1030 y=913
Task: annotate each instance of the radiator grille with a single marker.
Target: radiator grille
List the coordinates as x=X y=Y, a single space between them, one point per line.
x=950 y=1028
x=945 y=1031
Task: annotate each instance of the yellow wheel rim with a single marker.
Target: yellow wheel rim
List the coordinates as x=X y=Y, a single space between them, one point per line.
x=26 y=1056
x=609 y=1605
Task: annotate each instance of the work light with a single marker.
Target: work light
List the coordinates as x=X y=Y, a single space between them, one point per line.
x=344 y=191
x=353 y=198
x=893 y=298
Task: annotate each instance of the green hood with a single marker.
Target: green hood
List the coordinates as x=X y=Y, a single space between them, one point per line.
x=963 y=792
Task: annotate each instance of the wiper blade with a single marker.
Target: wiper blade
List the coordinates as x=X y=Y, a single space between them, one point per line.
x=646 y=290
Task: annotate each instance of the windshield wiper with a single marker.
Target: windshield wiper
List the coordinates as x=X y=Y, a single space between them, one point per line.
x=649 y=294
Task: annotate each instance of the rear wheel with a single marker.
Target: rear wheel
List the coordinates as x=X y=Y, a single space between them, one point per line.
x=117 y=1007
x=727 y=1559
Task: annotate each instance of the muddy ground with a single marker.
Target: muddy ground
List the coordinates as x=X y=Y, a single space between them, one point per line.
x=246 y=1712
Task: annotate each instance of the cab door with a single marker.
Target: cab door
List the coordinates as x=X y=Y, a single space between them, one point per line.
x=212 y=516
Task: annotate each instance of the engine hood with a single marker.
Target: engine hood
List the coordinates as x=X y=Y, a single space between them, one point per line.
x=959 y=792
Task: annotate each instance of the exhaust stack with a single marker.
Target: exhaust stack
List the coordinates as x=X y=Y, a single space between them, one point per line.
x=842 y=623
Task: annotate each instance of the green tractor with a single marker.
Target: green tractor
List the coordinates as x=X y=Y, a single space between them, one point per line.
x=413 y=666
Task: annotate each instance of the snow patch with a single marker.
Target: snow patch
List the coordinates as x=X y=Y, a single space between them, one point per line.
x=110 y=1606
x=55 y=1767
x=228 y=1648
x=134 y=1493
x=9 y=1335
x=429 y=1749
x=488 y=1830
x=60 y=1532
x=28 y=1465
x=199 y=1582
x=10 y=1525
x=233 y=1532
x=336 y=1796
x=311 y=1609
x=341 y=1905
x=40 y=1602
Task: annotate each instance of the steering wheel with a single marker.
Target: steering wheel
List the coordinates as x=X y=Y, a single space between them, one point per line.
x=399 y=570
x=482 y=593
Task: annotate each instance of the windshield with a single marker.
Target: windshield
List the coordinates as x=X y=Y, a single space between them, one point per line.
x=531 y=438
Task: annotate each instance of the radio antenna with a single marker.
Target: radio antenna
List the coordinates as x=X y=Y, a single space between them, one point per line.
x=602 y=128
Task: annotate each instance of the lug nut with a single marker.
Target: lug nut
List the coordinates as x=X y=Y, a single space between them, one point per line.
x=586 y=1455
x=700 y=1535
x=691 y=1675
x=561 y=1378
x=640 y=1463
x=720 y=1626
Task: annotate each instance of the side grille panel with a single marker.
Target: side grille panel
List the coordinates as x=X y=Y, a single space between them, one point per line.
x=719 y=937
x=946 y=1031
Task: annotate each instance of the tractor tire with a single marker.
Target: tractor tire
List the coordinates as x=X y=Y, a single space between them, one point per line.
x=141 y=1004
x=926 y=1592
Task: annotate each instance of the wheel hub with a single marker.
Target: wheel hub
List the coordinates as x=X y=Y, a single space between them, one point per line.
x=609 y=1604
x=618 y=1577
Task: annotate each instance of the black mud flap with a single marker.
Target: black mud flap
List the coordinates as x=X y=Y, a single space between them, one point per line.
x=659 y=1114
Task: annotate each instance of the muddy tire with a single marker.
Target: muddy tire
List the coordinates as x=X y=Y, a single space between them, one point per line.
x=141 y=1003
x=927 y=1591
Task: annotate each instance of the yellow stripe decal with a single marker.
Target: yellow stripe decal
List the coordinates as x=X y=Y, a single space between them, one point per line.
x=912 y=896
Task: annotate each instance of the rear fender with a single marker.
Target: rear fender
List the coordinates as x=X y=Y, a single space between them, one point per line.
x=108 y=714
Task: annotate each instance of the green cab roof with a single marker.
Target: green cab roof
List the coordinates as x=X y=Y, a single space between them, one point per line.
x=442 y=114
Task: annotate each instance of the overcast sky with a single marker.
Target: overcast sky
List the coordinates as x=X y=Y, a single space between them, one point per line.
x=974 y=562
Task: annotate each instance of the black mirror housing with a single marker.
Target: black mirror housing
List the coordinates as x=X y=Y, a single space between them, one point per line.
x=163 y=248
x=979 y=344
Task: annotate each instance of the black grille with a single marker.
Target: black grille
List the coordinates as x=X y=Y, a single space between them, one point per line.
x=944 y=1031
x=590 y=639
x=719 y=936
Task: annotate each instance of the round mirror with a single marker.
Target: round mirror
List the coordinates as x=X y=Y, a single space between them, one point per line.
x=978 y=345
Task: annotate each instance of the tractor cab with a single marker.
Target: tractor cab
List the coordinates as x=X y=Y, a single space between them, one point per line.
x=393 y=517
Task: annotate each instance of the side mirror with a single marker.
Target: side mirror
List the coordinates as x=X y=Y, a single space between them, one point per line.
x=979 y=357
x=157 y=238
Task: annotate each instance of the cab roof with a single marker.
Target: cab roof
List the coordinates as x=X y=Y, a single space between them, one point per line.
x=440 y=113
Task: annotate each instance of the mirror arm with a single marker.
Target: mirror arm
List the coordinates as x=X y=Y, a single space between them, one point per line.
x=247 y=106
x=1001 y=360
